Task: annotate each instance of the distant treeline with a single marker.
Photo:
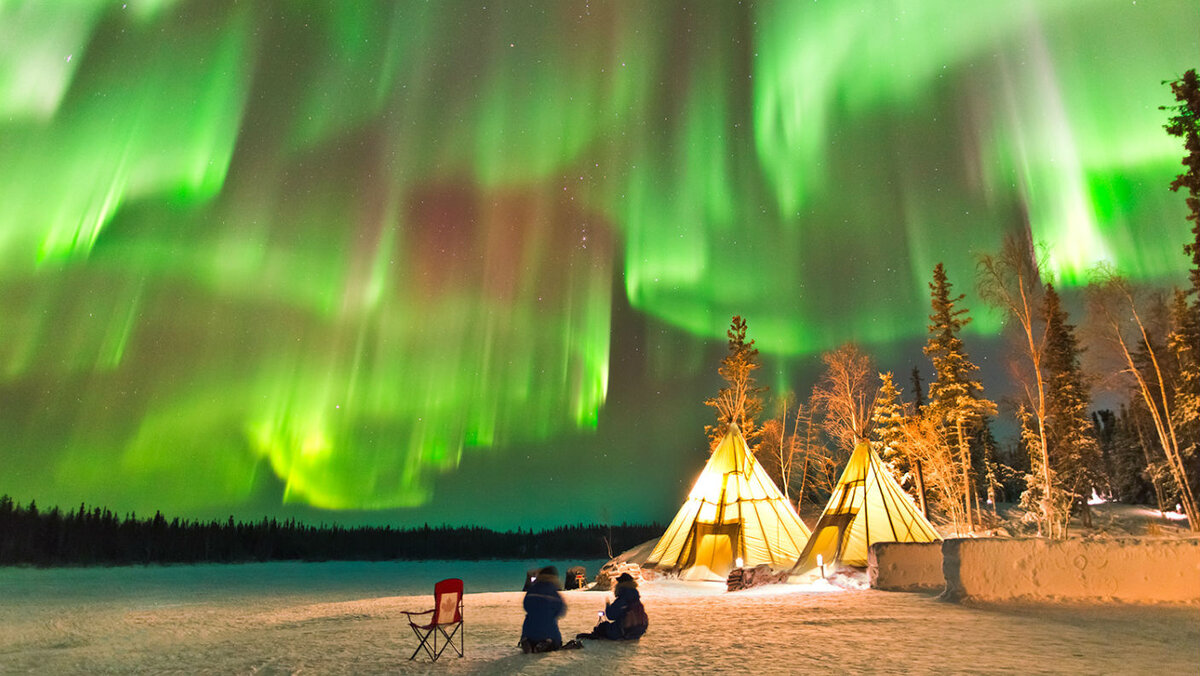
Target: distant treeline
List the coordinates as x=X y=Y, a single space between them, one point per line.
x=91 y=535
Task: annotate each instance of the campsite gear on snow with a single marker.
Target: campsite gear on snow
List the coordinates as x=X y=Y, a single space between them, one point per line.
x=733 y=511
x=867 y=506
x=607 y=577
x=627 y=619
x=543 y=606
x=446 y=619
x=576 y=577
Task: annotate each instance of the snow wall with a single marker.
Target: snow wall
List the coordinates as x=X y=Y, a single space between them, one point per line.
x=906 y=566
x=1131 y=570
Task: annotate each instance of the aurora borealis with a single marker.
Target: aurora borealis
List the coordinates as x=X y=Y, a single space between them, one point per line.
x=473 y=262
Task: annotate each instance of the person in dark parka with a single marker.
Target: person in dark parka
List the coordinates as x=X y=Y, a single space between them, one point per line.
x=626 y=616
x=543 y=606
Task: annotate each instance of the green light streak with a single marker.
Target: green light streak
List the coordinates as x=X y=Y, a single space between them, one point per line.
x=64 y=182
x=331 y=249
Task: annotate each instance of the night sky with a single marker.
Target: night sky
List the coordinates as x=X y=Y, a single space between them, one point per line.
x=457 y=262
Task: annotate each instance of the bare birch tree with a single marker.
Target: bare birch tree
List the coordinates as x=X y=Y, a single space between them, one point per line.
x=818 y=467
x=846 y=393
x=1011 y=281
x=777 y=446
x=1113 y=306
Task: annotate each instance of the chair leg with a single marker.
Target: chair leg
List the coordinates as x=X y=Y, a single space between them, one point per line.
x=424 y=643
x=436 y=653
x=450 y=640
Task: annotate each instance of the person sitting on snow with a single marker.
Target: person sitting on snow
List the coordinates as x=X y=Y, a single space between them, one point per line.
x=543 y=607
x=627 y=618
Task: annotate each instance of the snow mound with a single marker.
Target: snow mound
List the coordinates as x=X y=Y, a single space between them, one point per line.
x=638 y=554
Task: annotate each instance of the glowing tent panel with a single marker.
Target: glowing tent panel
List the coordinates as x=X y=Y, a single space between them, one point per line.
x=733 y=511
x=867 y=506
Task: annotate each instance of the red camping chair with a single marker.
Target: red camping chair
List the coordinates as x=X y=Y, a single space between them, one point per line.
x=447 y=620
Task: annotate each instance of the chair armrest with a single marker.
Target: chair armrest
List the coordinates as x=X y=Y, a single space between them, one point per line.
x=423 y=612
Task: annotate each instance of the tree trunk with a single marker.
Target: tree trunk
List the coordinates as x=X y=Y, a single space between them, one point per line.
x=1035 y=359
x=803 y=481
x=1158 y=493
x=1173 y=453
x=921 y=489
x=991 y=484
x=1162 y=424
x=964 y=454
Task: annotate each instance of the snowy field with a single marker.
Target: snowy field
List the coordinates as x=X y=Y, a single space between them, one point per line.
x=344 y=618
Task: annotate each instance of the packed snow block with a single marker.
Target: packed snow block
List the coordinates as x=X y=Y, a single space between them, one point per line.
x=745 y=578
x=1129 y=570
x=906 y=566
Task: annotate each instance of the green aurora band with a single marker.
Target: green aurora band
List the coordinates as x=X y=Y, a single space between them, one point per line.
x=334 y=246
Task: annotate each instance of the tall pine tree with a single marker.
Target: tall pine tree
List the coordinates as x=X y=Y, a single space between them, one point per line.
x=740 y=401
x=1185 y=123
x=918 y=391
x=1071 y=443
x=887 y=425
x=1186 y=413
x=986 y=452
x=955 y=395
x=1184 y=341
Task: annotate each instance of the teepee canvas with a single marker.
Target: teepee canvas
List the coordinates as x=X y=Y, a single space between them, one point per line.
x=733 y=511
x=867 y=506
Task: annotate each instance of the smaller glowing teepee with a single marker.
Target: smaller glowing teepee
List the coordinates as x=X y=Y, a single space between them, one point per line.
x=734 y=511
x=867 y=506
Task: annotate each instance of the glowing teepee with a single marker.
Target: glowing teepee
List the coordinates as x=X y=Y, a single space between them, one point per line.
x=734 y=511
x=867 y=506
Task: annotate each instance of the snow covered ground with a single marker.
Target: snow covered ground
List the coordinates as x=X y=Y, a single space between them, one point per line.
x=1109 y=519
x=344 y=618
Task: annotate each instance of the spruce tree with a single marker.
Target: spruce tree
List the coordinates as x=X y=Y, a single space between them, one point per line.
x=985 y=451
x=918 y=391
x=955 y=395
x=918 y=410
x=887 y=426
x=1069 y=436
x=1129 y=451
x=1185 y=123
x=1184 y=339
x=740 y=401
x=1104 y=426
x=1034 y=499
x=1186 y=412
